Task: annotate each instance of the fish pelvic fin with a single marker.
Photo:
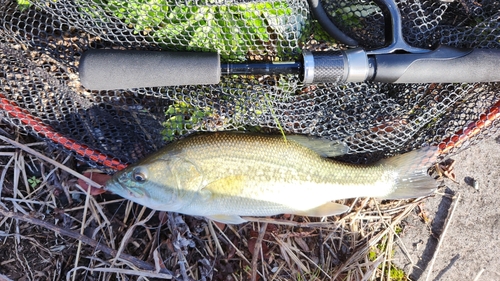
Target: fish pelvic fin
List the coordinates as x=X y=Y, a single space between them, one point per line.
x=227 y=219
x=327 y=209
x=412 y=167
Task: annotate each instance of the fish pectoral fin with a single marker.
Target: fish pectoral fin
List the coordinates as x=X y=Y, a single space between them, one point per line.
x=227 y=186
x=228 y=219
x=327 y=209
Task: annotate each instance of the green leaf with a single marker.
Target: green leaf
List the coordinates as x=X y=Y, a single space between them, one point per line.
x=23 y=5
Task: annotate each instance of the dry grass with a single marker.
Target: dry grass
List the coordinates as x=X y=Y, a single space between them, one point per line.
x=51 y=229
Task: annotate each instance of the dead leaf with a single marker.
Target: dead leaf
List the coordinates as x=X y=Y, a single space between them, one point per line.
x=99 y=178
x=422 y=214
x=446 y=169
x=251 y=247
x=302 y=244
x=158 y=263
x=220 y=225
x=162 y=216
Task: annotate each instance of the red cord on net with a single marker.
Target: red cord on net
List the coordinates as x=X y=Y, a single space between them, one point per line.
x=471 y=130
x=48 y=132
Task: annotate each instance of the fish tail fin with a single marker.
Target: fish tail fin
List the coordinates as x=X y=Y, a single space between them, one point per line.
x=413 y=180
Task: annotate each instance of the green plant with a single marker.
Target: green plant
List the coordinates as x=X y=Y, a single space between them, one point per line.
x=312 y=276
x=34 y=181
x=233 y=29
x=182 y=117
x=247 y=269
x=23 y=5
x=397 y=274
x=392 y=271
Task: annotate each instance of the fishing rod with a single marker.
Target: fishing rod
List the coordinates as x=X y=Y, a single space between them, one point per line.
x=397 y=62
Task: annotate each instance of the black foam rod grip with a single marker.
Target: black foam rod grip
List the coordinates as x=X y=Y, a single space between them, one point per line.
x=122 y=69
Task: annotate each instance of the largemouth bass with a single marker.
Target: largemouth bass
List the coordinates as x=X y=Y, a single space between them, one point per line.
x=223 y=176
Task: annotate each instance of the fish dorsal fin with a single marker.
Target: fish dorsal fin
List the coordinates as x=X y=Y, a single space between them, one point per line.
x=324 y=147
x=327 y=209
x=228 y=219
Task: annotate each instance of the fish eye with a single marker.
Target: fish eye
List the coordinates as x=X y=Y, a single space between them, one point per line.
x=140 y=174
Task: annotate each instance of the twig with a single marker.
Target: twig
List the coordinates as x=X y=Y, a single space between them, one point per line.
x=47 y=159
x=455 y=201
x=288 y=222
x=287 y=248
x=372 y=269
x=256 y=250
x=214 y=236
x=321 y=248
x=181 y=259
x=82 y=229
x=238 y=251
x=361 y=252
x=89 y=241
x=151 y=274
x=129 y=233
x=479 y=274
x=4 y=172
x=403 y=248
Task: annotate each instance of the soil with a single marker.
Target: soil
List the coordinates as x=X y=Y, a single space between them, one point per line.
x=471 y=243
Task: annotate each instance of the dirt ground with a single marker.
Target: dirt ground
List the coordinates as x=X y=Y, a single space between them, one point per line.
x=469 y=248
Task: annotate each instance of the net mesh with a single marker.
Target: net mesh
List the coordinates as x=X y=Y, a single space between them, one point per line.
x=41 y=43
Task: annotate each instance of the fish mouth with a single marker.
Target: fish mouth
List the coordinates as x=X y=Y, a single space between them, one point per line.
x=116 y=187
x=113 y=186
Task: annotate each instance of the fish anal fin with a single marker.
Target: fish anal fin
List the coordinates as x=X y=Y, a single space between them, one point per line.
x=327 y=209
x=227 y=219
x=324 y=147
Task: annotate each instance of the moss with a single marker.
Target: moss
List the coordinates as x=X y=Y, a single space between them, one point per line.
x=182 y=117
